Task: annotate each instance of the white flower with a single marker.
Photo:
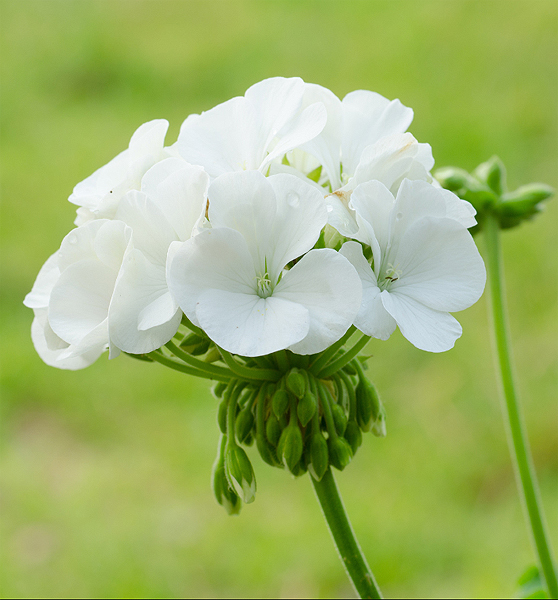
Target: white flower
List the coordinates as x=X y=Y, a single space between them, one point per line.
x=99 y=194
x=231 y=279
x=249 y=132
x=73 y=293
x=424 y=262
x=144 y=315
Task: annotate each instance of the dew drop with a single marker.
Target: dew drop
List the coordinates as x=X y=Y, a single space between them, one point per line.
x=72 y=239
x=329 y=208
x=399 y=216
x=293 y=199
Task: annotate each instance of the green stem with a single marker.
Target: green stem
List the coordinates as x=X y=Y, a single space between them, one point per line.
x=344 y=537
x=323 y=358
x=187 y=323
x=178 y=366
x=196 y=362
x=517 y=437
x=344 y=359
x=246 y=372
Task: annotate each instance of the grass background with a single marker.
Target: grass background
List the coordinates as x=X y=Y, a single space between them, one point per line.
x=105 y=472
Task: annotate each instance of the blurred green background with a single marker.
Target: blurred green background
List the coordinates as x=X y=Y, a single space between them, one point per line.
x=106 y=472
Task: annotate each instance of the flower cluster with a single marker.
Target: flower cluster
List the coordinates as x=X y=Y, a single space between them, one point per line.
x=277 y=221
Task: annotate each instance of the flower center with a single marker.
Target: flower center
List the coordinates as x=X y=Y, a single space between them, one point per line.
x=265 y=288
x=391 y=274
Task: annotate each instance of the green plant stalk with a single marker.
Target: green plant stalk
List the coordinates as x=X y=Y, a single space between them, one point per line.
x=323 y=358
x=334 y=366
x=179 y=366
x=344 y=537
x=246 y=372
x=196 y=362
x=517 y=437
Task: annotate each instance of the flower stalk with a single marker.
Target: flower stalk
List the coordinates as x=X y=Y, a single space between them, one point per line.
x=517 y=437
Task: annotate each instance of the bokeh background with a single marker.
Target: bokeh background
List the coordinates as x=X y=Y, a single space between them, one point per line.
x=106 y=472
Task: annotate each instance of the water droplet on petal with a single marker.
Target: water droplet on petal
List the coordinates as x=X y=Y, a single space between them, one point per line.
x=72 y=238
x=293 y=199
x=329 y=208
x=399 y=216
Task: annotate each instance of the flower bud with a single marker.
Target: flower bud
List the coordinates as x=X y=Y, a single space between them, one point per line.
x=240 y=473
x=296 y=383
x=348 y=368
x=379 y=427
x=289 y=449
x=224 y=495
x=280 y=402
x=306 y=408
x=318 y=456
x=219 y=389
x=201 y=348
x=243 y=424
x=339 y=418
x=452 y=178
x=493 y=174
x=273 y=430
x=340 y=453
x=523 y=204
x=192 y=340
x=222 y=416
x=353 y=435
x=368 y=404
x=266 y=451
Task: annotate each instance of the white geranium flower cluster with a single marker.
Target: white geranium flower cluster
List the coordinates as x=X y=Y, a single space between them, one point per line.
x=276 y=221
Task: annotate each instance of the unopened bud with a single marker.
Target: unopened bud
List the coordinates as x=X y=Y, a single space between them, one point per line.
x=243 y=424
x=296 y=383
x=222 y=416
x=213 y=355
x=493 y=174
x=306 y=408
x=348 y=368
x=368 y=404
x=191 y=340
x=353 y=435
x=318 y=456
x=201 y=348
x=240 y=473
x=280 y=402
x=289 y=449
x=266 y=451
x=379 y=427
x=273 y=430
x=339 y=418
x=340 y=453
x=523 y=204
x=452 y=178
x=219 y=389
x=224 y=495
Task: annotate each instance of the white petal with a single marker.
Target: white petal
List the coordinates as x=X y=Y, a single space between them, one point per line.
x=158 y=173
x=148 y=139
x=248 y=325
x=213 y=259
x=368 y=117
x=39 y=296
x=79 y=244
x=372 y=318
x=425 y=328
x=325 y=283
x=143 y=315
x=440 y=265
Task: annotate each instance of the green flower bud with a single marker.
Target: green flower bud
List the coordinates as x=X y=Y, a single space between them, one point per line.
x=200 y=348
x=339 y=418
x=299 y=469
x=222 y=416
x=318 y=456
x=296 y=383
x=340 y=453
x=379 y=427
x=452 y=178
x=368 y=404
x=348 y=368
x=266 y=451
x=306 y=408
x=280 y=402
x=212 y=355
x=289 y=449
x=240 y=473
x=191 y=340
x=224 y=495
x=523 y=204
x=273 y=430
x=353 y=435
x=219 y=389
x=493 y=174
x=243 y=424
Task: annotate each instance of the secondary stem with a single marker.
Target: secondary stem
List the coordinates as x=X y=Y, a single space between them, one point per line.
x=344 y=537
x=517 y=438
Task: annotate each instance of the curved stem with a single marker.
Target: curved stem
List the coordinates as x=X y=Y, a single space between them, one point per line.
x=178 y=366
x=517 y=437
x=246 y=372
x=344 y=358
x=344 y=537
x=323 y=358
x=196 y=362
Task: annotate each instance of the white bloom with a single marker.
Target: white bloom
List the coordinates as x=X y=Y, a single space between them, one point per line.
x=144 y=315
x=231 y=279
x=424 y=262
x=249 y=132
x=99 y=194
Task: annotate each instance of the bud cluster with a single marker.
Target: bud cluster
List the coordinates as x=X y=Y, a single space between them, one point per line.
x=300 y=423
x=485 y=188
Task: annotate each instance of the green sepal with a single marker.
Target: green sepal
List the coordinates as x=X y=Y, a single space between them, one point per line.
x=340 y=453
x=222 y=415
x=244 y=424
x=353 y=435
x=266 y=451
x=339 y=418
x=289 y=448
x=493 y=174
x=240 y=473
x=379 y=427
x=280 y=402
x=224 y=495
x=192 y=340
x=531 y=585
x=296 y=383
x=317 y=456
x=306 y=408
x=273 y=430
x=523 y=204
x=315 y=174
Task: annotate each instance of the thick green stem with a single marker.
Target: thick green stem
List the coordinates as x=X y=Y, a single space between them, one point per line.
x=517 y=438
x=178 y=366
x=196 y=362
x=323 y=358
x=344 y=537
x=246 y=372
x=344 y=358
